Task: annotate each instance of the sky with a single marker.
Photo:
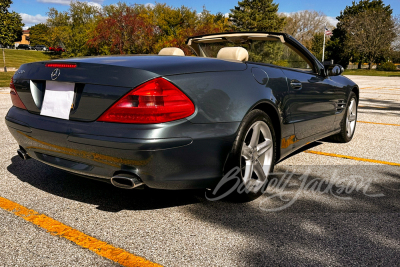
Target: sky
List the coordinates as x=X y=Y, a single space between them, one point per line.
x=34 y=11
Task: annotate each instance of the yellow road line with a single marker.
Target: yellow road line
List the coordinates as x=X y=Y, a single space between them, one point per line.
x=353 y=158
x=372 y=88
x=59 y=229
x=360 y=106
x=379 y=123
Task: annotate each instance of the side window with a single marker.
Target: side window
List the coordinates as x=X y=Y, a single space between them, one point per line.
x=280 y=54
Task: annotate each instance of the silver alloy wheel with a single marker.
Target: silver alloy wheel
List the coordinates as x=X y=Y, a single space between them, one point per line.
x=351 y=117
x=256 y=156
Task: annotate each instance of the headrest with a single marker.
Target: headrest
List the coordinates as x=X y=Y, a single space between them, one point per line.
x=171 y=51
x=236 y=53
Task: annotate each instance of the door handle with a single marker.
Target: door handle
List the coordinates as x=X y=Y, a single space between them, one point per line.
x=295 y=84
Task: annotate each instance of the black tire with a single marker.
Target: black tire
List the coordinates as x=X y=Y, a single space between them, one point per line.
x=234 y=161
x=342 y=136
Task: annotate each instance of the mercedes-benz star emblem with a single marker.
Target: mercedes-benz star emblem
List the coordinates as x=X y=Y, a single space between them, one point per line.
x=55 y=74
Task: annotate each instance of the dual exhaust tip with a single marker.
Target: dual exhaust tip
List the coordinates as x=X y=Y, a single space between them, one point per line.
x=126 y=181
x=121 y=180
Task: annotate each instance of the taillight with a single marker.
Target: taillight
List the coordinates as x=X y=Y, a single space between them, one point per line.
x=155 y=101
x=60 y=65
x=15 y=97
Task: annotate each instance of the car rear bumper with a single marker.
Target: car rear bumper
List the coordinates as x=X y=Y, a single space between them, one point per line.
x=176 y=155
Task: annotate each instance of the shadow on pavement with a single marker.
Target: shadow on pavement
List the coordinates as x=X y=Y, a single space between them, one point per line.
x=317 y=229
x=384 y=105
x=104 y=195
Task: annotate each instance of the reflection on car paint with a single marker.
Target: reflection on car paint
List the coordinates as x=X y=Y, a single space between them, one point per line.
x=286 y=142
x=104 y=159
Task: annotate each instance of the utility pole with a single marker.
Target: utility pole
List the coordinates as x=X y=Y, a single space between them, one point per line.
x=4 y=60
x=323 y=47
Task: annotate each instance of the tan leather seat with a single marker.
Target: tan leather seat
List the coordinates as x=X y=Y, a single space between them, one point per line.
x=233 y=53
x=171 y=51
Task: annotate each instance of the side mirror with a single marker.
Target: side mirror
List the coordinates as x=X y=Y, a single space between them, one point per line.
x=334 y=70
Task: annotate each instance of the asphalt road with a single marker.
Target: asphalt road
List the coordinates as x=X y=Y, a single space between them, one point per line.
x=346 y=211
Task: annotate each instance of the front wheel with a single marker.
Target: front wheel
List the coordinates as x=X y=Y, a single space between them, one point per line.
x=348 y=123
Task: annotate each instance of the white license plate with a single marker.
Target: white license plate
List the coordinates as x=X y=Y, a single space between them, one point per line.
x=58 y=99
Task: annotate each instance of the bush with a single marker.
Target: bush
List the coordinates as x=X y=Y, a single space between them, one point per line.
x=387 y=66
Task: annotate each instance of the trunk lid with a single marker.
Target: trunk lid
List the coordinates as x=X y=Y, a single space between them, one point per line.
x=101 y=81
x=97 y=87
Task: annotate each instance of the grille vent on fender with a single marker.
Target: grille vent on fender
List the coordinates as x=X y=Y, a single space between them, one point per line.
x=340 y=106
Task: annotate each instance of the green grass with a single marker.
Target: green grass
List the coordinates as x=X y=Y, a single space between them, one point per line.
x=15 y=58
x=366 y=72
x=5 y=78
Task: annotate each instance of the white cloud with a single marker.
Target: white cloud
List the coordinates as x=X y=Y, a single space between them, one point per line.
x=332 y=20
x=30 y=20
x=287 y=14
x=150 y=5
x=94 y=4
x=226 y=15
x=68 y=2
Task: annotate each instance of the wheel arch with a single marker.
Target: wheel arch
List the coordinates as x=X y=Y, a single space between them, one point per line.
x=271 y=110
x=356 y=90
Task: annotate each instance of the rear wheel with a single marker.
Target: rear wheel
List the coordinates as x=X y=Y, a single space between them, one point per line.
x=253 y=156
x=256 y=155
x=348 y=123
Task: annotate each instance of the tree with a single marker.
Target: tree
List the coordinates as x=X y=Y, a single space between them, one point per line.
x=39 y=35
x=178 y=24
x=317 y=45
x=303 y=25
x=256 y=15
x=129 y=29
x=370 y=38
x=123 y=31
x=73 y=28
x=10 y=24
x=337 y=49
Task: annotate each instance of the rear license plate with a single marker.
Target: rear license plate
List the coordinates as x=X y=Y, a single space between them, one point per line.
x=58 y=99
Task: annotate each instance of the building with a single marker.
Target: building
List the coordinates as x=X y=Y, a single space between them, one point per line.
x=24 y=38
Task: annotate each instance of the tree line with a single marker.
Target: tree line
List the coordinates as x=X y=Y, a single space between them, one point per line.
x=366 y=30
x=10 y=24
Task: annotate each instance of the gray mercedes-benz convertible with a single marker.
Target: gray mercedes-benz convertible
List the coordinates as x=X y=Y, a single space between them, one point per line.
x=171 y=121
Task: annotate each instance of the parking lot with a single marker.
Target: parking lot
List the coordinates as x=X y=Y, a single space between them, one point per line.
x=53 y=218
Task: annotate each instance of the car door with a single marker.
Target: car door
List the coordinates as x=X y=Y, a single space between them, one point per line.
x=311 y=100
x=311 y=103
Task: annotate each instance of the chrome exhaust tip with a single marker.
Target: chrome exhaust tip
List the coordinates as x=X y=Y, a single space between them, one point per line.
x=22 y=153
x=126 y=181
